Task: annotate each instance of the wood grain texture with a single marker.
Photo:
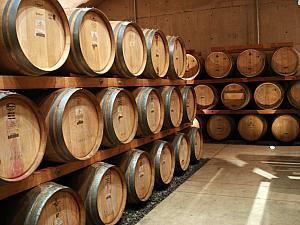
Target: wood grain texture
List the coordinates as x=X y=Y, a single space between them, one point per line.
x=220 y=127
x=269 y=95
x=285 y=61
x=236 y=96
x=251 y=62
x=207 y=96
x=285 y=128
x=219 y=64
x=252 y=127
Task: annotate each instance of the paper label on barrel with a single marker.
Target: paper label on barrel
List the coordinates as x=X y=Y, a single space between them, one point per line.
x=152 y=105
x=40 y=28
x=95 y=38
x=79 y=114
x=58 y=221
x=108 y=192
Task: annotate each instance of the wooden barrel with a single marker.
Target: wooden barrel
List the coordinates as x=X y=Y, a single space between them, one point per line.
x=251 y=62
x=177 y=54
x=163 y=160
x=93 y=46
x=285 y=128
x=23 y=137
x=103 y=189
x=131 y=54
x=207 y=96
x=285 y=61
x=48 y=203
x=158 y=58
x=194 y=67
x=75 y=124
x=173 y=104
x=182 y=148
x=120 y=116
x=220 y=127
x=35 y=36
x=196 y=141
x=150 y=111
x=219 y=64
x=252 y=127
x=189 y=103
x=139 y=174
x=269 y=95
x=236 y=96
x=294 y=95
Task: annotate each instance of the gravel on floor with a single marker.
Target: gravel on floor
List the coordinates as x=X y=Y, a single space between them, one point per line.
x=133 y=214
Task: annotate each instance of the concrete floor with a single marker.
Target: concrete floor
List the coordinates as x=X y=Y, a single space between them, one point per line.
x=240 y=185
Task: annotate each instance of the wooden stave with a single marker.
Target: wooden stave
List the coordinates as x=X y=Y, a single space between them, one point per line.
x=149 y=71
x=274 y=106
x=172 y=74
x=106 y=99
x=200 y=67
x=258 y=72
x=225 y=74
x=87 y=184
x=76 y=62
x=184 y=92
x=191 y=133
x=166 y=93
x=290 y=139
x=16 y=61
x=290 y=97
x=119 y=66
x=42 y=149
x=264 y=131
x=230 y=121
x=248 y=95
x=141 y=96
x=55 y=138
x=216 y=96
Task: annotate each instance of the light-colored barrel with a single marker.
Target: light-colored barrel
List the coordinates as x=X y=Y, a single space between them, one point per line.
x=251 y=62
x=252 y=127
x=207 y=96
x=219 y=64
x=285 y=61
x=103 y=189
x=189 y=103
x=173 y=104
x=220 y=127
x=285 y=128
x=294 y=94
x=163 y=159
x=93 y=46
x=48 y=203
x=269 y=95
x=120 y=116
x=199 y=122
x=75 y=124
x=177 y=54
x=131 y=52
x=23 y=137
x=236 y=96
x=194 y=67
x=139 y=174
x=35 y=36
x=158 y=58
x=196 y=141
x=150 y=111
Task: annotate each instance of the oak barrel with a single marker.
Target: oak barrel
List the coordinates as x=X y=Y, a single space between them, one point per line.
x=219 y=64
x=103 y=189
x=173 y=104
x=285 y=128
x=158 y=58
x=120 y=116
x=294 y=94
x=207 y=96
x=75 y=124
x=180 y=142
x=23 y=137
x=269 y=95
x=139 y=174
x=189 y=103
x=150 y=111
x=251 y=62
x=163 y=159
x=177 y=54
x=236 y=96
x=196 y=141
x=93 y=46
x=35 y=36
x=48 y=203
x=252 y=127
x=285 y=61
x=131 y=53
x=194 y=67
x=220 y=127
